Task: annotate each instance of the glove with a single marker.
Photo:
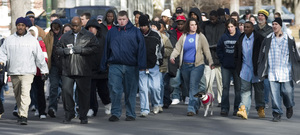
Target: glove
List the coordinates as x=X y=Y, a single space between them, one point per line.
x=63 y=51
x=45 y=77
x=77 y=49
x=2 y=67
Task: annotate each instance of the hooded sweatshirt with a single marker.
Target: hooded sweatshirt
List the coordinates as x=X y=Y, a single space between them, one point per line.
x=198 y=13
x=225 y=49
x=43 y=47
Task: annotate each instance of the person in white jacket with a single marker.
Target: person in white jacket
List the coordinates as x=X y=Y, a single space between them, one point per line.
x=22 y=53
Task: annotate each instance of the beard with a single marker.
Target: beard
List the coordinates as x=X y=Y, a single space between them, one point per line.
x=261 y=21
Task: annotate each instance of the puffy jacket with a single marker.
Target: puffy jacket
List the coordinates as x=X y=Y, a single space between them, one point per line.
x=153 y=47
x=124 y=45
x=78 y=64
x=225 y=49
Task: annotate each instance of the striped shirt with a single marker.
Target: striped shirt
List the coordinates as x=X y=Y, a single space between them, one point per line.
x=278 y=60
x=247 y=73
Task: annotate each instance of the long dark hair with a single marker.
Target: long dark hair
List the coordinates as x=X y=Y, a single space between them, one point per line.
x=187 y=26
x=231 y=21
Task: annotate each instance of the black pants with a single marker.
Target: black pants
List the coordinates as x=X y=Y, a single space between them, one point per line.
x=83 y=86
x=1 y=104
x=167 y=90
x=100 y=86
x=38 y=88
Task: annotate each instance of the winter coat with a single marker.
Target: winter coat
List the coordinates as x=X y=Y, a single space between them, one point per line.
x=225 y=49
x=264 y=31
x=78 y=64
x=168 y=48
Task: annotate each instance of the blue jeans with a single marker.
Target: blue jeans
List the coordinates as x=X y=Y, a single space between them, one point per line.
x=55 y=87
x=175 y=84
x=284 y=91
x=246 y=94
x=226 y=75
x=4 y=88
x=267 y=89
x=123 y=78
x=191 y=78
x=150 y=83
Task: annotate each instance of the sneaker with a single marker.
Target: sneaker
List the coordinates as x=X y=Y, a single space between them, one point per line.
x=15 y=113
x=22 y=120
x=186 y=101
x=261 y=112
x=160 y=109
x=52 y=113
x=32 y=108
x=224 y=113
x=155 y=109
x=175 y=101
x=36 y=113
x=7 y=92
x=84 y=121
x=242 y=112
x=190 y=114
x=113 y=118
x=143 y=114
x=231 y=83
x=90 y=113
x=43 y=116
x=276 y=117
x=219 y=105
x=129 y=118
x=107 y=109
x=266 y=106
x=289 y=112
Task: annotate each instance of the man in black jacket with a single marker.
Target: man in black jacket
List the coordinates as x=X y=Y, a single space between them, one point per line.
x=246 y=58
x=76 y=49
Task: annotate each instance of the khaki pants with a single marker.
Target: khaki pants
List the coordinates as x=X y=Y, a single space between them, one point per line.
x=22 y=86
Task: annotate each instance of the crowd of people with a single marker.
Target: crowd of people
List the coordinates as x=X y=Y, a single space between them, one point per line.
x=163 y=61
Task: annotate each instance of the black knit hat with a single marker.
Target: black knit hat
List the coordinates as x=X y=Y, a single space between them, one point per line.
x=157 y=24
x=143 y=20
x=221 y=12
x=278 y=20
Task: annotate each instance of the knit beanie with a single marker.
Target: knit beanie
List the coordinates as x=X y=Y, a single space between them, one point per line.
x=30 y=14
x=143 y=20
x=278 y=20
x=264 y=12
x=21 y=20
x=157 y=24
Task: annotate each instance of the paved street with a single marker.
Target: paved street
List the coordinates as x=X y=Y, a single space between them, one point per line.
x=172 y=121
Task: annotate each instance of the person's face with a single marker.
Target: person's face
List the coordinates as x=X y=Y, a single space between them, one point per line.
x=99 y=21
x=32 y=33
x=241 y=27
x=56 y=31
x=156 y=19
x=213 y=19
x=234 y=17
x=84 y=20
x=193 y=15
x=122 y=20
x=180 y=14
x=261 y=18
x=76 y=26
x=204 y=18
x=276 y=16
x=193 y=26
x=52 y=19
x=252 y=19
x=144 y=29
x=136 y=19
x=153 y=27
x=21 y=28
x=248 y=28
x=93 y=30
x=32 y=19
x=110 y=18
x=180 y=25
x=276 y=27
x=248 y=16
x=165 y=19
x=231 y=28
x=66 y=29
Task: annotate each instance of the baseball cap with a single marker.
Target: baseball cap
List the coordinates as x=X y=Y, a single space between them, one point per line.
x=180 y=18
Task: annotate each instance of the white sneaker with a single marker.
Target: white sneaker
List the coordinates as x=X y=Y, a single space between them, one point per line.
x=143 y=114
x=231 y=83
x=43 y=117
x=107 y=109
x=90 y=113
x=155 y=109
x=175 y=101
x=186 y=101
x=36 y=113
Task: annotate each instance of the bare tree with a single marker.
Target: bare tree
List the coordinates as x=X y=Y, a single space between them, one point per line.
x=18 y=9
x=257 y=6
x=278 y=4
x=234 y=5
x=297 y=13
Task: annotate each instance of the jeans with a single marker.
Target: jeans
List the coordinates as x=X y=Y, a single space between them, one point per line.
x=284 y=91
x=150 y=83
x=191 y=77
x=175 y=83
x=246 y=94
x=123 y=78
x=3 y=89
x=55 y=81
x=226 y=75
x=267 y=89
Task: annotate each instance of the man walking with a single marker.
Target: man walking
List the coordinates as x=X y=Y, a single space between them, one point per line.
x=124 y=55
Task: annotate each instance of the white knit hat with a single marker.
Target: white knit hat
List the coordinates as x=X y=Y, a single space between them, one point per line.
x=167 y=13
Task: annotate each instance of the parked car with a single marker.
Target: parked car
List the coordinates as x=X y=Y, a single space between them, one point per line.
x=66 y=14
x=286 y=15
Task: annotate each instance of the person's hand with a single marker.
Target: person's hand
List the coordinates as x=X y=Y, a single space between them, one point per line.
x=62 y=51
x=172 y=60
x=45 y=77
x=1 y=66
x=212 y=66
x=77 y=49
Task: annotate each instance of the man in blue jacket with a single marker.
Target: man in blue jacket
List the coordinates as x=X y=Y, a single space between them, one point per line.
x=125 y=54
